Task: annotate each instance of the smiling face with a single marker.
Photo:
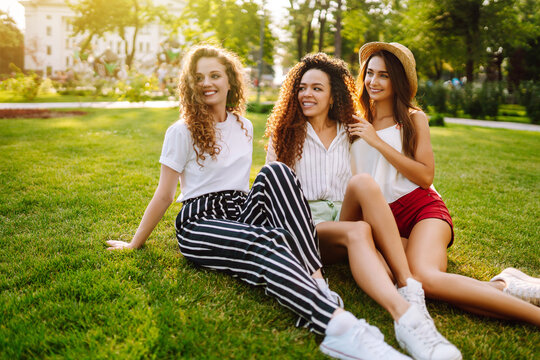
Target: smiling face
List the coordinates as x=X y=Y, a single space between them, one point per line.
x=213 y=82
x=377 y=80
x=315 y=93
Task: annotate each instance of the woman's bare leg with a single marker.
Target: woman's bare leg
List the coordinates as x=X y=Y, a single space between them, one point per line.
x=426 y=252
x=365 y=201
x=353 y=239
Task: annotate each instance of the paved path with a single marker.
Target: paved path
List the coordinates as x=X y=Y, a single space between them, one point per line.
x=494 y=124
x=171 y=104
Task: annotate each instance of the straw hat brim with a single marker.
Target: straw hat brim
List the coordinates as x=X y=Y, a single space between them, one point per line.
x=401 y=52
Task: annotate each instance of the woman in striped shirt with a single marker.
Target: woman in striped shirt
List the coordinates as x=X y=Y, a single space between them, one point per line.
x=307 y=131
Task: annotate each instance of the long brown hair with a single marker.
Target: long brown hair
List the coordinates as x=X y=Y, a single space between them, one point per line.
x=287 y=124
x=402 y=102
x=195 y=113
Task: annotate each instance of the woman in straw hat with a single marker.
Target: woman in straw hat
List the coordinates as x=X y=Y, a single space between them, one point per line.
x=307 y=131
x=394 y=147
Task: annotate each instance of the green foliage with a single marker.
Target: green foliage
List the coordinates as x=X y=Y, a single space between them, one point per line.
x=25 y=85
x=261 y=108
x=234 y=24
x=436 y=119
x=71 y=183
x=530 y=98
x=455 y=100
x=481 y=101
x=435 y=94
x=10 y=35
x=137 y=87
x=97 y=17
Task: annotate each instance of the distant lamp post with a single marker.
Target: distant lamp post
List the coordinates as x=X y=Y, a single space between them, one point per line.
x=261 y=53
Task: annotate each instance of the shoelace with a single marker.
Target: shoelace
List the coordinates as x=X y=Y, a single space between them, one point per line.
x=428 y=334
x=371 y=337
x=418 y=298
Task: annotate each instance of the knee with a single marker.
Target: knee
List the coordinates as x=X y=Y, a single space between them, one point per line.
x=430 y=280
x=276 y=169
x=359 y=233
x=363 y=183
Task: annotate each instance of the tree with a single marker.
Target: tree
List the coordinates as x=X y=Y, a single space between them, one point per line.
x=138 y=14
x=11 y=40
x=234 y=24
x=97 y=17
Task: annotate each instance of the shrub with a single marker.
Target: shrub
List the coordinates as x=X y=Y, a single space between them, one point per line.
x=455 y=100
x=25 y=85
x=262 y=108
x=436 y=119
x=471 y=101
x=433 y=94
x=530 y=98
x=489 y=98
x=137 y=87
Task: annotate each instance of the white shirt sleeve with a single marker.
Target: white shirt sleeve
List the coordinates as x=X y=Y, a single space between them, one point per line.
x=176 y=147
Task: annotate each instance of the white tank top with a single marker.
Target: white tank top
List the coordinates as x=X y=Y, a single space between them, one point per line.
x=367 y=159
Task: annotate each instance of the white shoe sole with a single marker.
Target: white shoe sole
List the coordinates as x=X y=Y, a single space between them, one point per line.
x=402 y=344
x=337 y=354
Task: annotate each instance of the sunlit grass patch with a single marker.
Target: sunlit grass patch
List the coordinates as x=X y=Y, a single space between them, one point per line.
x=69 y=184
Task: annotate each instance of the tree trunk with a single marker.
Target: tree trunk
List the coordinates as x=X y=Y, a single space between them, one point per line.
x=310 y=38
x=300 y=41
x=469 y=64
x=337 y=36
x=86 y=44
x=322 y=23
x=131 y=56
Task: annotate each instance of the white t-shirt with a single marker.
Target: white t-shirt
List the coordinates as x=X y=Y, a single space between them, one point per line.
x=323 y=173
x=367 y=159
x=229 y=171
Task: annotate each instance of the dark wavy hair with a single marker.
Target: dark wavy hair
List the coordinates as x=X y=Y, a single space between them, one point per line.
x=286 y=126
x=195 y=113
x=402 y=102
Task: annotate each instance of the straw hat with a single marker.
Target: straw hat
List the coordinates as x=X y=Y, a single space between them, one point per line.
x=401 y=52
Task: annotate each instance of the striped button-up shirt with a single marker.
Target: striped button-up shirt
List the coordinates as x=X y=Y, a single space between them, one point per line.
x=323 y=173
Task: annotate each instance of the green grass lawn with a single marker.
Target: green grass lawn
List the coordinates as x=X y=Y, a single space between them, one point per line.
x=69 y=184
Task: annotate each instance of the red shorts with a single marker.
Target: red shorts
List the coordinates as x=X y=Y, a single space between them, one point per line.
x=418 y=205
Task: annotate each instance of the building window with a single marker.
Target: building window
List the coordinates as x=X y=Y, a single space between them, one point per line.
x=49 y=50
x=147 y=47
x=49 y=31
x=141 y=47
x=49 y=70
x=49 y=17
x=67 y=43
x=67 y=61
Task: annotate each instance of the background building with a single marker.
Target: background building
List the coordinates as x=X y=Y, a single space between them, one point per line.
x=50 y=45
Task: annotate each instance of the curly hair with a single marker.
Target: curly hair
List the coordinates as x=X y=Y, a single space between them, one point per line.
x=403 y=99
x=286 y=126
x=195 y=112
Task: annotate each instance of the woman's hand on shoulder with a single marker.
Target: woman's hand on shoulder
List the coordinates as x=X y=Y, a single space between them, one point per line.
x=363 y=129
x=118 y=245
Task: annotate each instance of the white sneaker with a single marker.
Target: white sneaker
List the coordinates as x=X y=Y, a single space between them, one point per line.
x=414 y=294
x=325 y=288
x=360 y=342
x=520 y=285
x=418 y=336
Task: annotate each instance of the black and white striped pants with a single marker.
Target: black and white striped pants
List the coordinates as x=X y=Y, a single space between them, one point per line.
x=266 y=238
